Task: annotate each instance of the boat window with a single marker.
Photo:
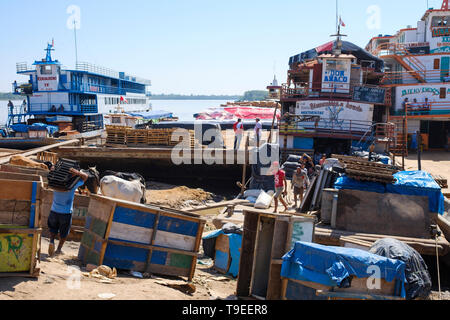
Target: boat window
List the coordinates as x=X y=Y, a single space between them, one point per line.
x=440 y=21
x=115 y=120
x=46 y=69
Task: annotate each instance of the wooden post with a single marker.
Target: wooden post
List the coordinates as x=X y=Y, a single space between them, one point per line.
x=419 y=150
x=404 y=142
x=244 y=166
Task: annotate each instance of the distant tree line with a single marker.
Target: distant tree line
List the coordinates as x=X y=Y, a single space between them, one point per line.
x=254 y=95
x=9 y=96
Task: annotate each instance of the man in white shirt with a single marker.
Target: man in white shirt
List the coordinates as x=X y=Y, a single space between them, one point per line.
x=258 y=131
x=238 y=131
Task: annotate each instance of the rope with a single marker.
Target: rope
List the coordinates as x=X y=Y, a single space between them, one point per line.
x=438 y=270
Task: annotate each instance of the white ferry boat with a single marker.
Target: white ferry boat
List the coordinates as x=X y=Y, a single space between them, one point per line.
x=71 y=101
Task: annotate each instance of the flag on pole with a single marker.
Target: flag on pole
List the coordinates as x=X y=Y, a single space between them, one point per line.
x=341 y=22
x=53 y=42
x=122 y=99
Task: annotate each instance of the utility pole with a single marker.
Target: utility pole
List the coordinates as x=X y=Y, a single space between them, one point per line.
x=76 y=46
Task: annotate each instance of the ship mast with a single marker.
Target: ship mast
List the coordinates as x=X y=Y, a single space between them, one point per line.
x=338 y=49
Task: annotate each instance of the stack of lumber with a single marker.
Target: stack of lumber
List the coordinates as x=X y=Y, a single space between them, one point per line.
x=332 y=237
x=136 y=137
x=364 y=170
x=441 y=181
x=159 y=137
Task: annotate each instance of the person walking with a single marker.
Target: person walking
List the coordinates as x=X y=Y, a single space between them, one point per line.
x=300 y=182
x=60 y=218
x=280 y=186
x=238 y=133
x=258 y=131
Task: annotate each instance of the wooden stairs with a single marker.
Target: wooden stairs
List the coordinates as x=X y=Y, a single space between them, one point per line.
x=399 y=143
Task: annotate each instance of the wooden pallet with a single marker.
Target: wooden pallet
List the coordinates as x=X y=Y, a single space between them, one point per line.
x=441 y=181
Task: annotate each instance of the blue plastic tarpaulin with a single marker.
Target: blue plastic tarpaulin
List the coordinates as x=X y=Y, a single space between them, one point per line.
x=419 y=183
x=333 y=266
x=42 y=126
x=235 y=242
x=347 y=183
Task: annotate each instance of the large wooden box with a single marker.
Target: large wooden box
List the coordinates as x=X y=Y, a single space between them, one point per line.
x=135 y=237
x=20 y=232
x=266 y=239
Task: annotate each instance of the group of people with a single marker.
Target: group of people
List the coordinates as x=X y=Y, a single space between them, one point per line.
x=300 y=180
x=415 y=105
x=238 y=128
x=23 y=107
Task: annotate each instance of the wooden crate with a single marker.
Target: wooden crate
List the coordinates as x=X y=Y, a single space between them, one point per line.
x=20 y=232
x=266 y=238
x=141 y=238
x=116 y=135
x=24 y=170
x=222 y=259
x=137 y=137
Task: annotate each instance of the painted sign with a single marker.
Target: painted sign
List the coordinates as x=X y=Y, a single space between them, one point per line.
x=440 y=32
x=336 y=76
x=336 y=115
x=47 y=78
x=420 y=93
x=369 y=94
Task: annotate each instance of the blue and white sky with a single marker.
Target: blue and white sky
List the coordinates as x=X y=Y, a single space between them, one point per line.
x=191 y=46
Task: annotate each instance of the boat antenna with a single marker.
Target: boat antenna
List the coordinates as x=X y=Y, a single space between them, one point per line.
x=76 y=46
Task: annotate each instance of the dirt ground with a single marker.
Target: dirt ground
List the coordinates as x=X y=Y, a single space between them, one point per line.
x=432 y=162
x=59 y=281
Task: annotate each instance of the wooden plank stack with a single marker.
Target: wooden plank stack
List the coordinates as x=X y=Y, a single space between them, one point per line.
x=116 y=135
x=364 y=170
x=441 y=181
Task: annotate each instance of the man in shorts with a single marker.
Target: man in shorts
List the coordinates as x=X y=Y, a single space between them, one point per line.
x=300 y=182
x=280 y=186
x=60 y=218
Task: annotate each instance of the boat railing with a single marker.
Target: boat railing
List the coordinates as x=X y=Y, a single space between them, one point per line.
x=322 y=90
x=407 y=77
x=98 y=88
x=23 y=67
x=427 y=108
x=61 y=108
x=92 y=68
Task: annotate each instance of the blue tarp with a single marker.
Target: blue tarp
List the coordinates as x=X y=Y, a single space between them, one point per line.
x=36 y=126
x=413 y=183
x=156 y=114
x=419 y=183
x=347 y=183
x=333 y=266
x=235 y=241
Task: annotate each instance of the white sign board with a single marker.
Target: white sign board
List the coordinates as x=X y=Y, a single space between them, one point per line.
x=336 y=76
x=336 y=115
x=47 y=78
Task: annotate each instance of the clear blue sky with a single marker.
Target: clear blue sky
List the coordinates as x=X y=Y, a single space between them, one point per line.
x=190 y=46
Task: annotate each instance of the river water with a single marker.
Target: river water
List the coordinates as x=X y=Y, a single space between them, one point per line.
x=184 y=109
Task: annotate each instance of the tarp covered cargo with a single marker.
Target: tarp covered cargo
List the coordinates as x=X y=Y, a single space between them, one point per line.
x=347 y=48
x=346 y=183
x=334 y=266
x=418 y=183
x=35 y=127
x=416 y=271
x=413 y=183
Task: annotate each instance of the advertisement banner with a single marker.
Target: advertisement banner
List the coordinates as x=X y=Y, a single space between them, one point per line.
x=336 y=115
